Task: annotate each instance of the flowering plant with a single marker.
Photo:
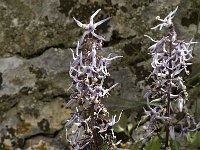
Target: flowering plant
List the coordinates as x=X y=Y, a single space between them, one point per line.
x=89 y=124
x=167 y=95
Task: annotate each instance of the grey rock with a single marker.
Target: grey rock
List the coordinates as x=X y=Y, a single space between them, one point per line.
x=35 y=38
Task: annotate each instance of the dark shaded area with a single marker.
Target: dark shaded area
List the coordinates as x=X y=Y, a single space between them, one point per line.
x=66 y=6
x=40 y=51
x=44 y=125
x=192 y=19
x=115 y=39
x=132 y=48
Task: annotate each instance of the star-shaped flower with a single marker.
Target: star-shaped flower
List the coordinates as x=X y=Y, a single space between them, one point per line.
x=167 y=21
x=89 y=28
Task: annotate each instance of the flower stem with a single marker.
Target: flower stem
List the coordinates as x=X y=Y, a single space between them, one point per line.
x=94 y=134
x=168 y=96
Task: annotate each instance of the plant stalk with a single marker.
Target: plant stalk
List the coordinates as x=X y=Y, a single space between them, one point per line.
x=168 y=97
x=94 y=134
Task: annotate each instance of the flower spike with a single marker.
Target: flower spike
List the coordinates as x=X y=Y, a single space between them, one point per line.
x=88 y=71
x=167 y=94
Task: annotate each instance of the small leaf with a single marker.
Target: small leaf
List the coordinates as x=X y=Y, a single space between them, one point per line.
x=130 y=127
x=174 y=144
x=194 y=139
x=153 y=144
x=117 y=128
x=123 y=120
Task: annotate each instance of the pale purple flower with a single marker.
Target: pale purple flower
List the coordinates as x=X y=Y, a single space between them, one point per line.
x=74 y=142
x=171 y=132
x=73 y=56
x=72 y=120
x=99 y=91
x=184 y=131
x=180 y=103
x=77 y=60
x=93 y=55
x=113 y=120
x=109 y=125
x=89 y=28
x=103 y=63
x=158 y=44
x=167 y=21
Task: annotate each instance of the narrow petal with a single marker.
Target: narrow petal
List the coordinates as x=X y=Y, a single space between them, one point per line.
x=78 y=22
x=97 y=36
x=70 y=102
x=72 y=54
x=150 y=38
x=83 y=36
x=171 y=132
x=82 y=147
x=156 y=100
x=173 y=12
x=77 y=47
x=180 y=103
x=102 y=21
x=92 y=17
x=173 y=96
x=159 y=25
x=114 y=58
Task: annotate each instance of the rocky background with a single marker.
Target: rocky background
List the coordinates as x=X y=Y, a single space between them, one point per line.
x=35 y=37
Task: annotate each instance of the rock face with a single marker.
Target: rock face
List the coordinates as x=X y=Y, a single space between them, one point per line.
x=35 y=37
x=33 y=93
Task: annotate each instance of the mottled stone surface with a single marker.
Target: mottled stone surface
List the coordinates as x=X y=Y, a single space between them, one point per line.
x=35 y=37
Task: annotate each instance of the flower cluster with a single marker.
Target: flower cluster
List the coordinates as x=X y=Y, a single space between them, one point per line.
x=89 y=123
x=167 y=95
